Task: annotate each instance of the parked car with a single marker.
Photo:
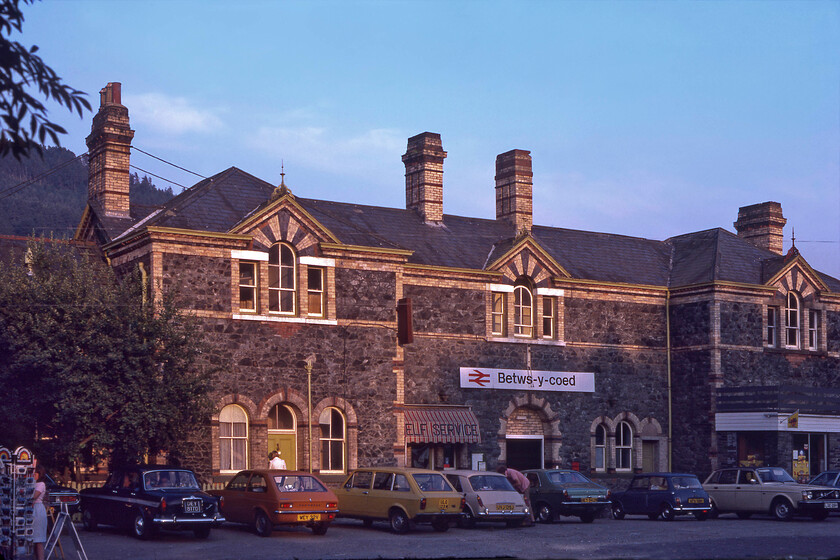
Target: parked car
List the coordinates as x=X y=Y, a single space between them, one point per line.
x=61 y=495
x=144 y=498
x=827 y=478
x=266 y=498
x=555 y=492
x=402 y=496
x=748 y=490
x=663 y=496
x=489 y=496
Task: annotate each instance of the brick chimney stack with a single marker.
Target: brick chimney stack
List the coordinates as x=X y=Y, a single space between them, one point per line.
x=761 y=225
x=423 y=161
x=514 y=185
x=109 y=147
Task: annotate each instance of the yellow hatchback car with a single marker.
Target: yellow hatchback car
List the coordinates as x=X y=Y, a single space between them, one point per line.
x=400 y=495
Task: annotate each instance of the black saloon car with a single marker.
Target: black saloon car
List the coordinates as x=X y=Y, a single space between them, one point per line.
x=564 y=492
x=61 y=496
x=663 y=496
x=144 y=498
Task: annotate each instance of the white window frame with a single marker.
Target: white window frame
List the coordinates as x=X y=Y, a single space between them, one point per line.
x=328 y=441
x=793 y=321
x=282 y=270
x=772 y=327
x=232 y=415
x=600 y=449
x=254 y=287
x=319 y=293
x=523 y=327
x=497 y=314
x=549 y=319
x=813 y=329
x=623 y=447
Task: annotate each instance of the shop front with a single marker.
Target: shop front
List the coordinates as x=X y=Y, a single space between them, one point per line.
x=438 y=437
x=786 y=426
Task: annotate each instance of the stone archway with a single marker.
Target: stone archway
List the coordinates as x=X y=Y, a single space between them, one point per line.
x=528 y=435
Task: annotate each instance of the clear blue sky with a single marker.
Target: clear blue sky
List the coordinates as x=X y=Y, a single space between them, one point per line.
x=649 y=119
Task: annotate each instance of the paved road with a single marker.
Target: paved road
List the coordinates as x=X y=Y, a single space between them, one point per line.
x=634 y=537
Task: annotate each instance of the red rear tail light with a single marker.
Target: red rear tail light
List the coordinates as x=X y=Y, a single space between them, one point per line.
x=332 y=504
x=286 y=506
x=464 y=502
x=221 y=502
x=477 y=498
x=163 y=504
x=423 y=503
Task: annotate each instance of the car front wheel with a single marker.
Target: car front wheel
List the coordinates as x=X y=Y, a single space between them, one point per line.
x=617 y=511
x=262 y=524
x=544 y=513
x=89 y=520
x=781 y=509
x=399 y=521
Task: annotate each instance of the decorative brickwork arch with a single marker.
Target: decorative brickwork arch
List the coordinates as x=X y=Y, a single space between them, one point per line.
x=297 y=403
x=531 y=408
x=351 y=431
x=601 y=445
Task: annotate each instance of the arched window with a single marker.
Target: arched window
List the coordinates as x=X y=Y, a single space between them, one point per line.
x=623 y=447
x=331 y=422
x=233 y=438
x=792 y=321
x=523 y=312
x=282 y=279
x=281 y=417
x=600 y=462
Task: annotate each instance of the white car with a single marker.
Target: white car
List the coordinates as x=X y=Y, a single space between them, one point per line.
x=489 y=496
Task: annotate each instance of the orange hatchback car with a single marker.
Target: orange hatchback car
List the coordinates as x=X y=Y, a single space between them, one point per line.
x=266 y=498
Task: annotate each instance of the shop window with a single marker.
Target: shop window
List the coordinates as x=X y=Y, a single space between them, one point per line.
x=623 y=447
x=599 y=461
x=813 y=322
x=315 y=291
x=233 y=439
x=248 y=287
x=792 y=321
x=523 y=312
x=497 y=314
x=548 y=317
x=282 y=275
x=331 y=423
x=751 y=449
x=772 y=327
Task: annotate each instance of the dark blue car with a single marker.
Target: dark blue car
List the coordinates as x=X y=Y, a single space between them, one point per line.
x=662 y=496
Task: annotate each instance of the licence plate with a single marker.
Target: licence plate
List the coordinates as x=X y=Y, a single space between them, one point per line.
x=504 y=507
x=589 y=500
x=192 y=506
x=696 y=501
x=309 y=517
x=443 y=503
x=830 y=505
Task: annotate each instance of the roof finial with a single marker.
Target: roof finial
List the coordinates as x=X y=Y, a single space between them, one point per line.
x=282 y=189
x=793 y=237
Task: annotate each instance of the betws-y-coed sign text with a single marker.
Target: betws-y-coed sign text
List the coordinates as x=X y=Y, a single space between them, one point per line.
x=529 y=380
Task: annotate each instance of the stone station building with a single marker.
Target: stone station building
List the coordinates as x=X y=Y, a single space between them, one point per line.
x=353 y=335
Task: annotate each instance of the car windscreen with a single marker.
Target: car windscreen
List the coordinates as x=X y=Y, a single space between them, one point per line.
x=774 y=474
x=566 y=477
x=432 y=482
x=484 y=483
x=298 y=483
x=685 y=482
x=166 y=479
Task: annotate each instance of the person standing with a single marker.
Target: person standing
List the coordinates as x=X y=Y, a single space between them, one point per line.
x=521 y=484
x=276 y=462
x=39 y=522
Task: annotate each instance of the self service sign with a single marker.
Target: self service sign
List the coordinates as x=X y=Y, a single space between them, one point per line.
x=528 y=380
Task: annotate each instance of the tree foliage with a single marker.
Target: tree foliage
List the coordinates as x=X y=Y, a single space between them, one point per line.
x=90 y=371
x=23 y=75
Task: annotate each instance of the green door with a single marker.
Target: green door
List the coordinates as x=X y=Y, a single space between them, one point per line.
x=285 y=444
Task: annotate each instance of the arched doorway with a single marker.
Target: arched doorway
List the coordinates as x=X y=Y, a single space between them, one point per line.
x=525 y=440
x=282 y=434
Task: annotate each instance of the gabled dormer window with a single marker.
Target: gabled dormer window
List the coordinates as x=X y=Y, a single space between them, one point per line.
x=282 y=276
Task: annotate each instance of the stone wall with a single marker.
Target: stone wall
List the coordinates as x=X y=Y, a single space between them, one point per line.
x=741 y=324
x=366 y=295
x=447 y=310
x=203 y=282
x=832 y=325
x=614 y=322
x=690 y=324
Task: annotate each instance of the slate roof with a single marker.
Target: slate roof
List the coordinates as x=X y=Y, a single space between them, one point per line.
x=220 y=202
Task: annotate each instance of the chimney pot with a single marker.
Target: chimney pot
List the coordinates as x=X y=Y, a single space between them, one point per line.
x=423 y=161
x=514 y=189
x=762 y=225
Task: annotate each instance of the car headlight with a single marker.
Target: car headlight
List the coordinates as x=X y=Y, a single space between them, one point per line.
x=807 y=495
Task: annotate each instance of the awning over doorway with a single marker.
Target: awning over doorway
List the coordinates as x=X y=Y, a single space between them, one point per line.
x=440 y=424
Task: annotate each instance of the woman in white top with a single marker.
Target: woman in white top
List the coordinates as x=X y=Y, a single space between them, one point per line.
x=39 y=523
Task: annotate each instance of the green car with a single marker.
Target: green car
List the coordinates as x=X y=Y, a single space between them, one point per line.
x=557 y=492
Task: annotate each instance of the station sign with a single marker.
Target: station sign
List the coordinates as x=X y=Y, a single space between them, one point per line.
x=527 y=380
